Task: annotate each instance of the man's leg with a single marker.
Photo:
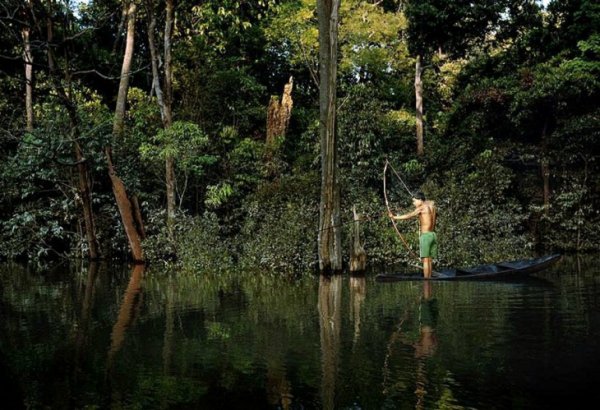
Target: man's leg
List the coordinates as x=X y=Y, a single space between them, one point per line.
x=427 y=268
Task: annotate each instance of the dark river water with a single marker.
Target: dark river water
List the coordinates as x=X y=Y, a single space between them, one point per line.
x=122 y=337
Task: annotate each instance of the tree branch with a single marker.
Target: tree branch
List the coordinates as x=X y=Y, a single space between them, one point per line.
x=107 y=77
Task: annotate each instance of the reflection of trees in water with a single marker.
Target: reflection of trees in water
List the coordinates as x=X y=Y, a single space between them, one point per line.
x=264 y=342
x=279 y=388
x=358 y=293
x=13 y=395
x=81 y=337
x=129 y=310
x=330 y=320
x=167 y=352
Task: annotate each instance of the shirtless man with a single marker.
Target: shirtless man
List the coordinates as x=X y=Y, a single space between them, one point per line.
x=426 y=212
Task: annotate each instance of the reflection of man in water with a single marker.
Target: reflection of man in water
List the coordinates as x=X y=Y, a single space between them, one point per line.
x=424 y=341
x=279 y=388
x=428 y=314
x=427 y=343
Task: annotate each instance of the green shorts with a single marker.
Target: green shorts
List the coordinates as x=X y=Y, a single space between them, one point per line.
x=428 y=245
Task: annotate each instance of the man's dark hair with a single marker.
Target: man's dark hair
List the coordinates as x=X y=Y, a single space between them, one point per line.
x=419 y=195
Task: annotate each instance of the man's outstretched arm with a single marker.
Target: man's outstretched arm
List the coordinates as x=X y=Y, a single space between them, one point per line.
x=409 y=215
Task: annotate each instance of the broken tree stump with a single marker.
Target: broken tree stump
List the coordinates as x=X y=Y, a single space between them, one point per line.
x=279 y=113
x=358 y=256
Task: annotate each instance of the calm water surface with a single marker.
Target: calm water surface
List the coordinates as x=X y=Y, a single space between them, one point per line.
x=119 y=337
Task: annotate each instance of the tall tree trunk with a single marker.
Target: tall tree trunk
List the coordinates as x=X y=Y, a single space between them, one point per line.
x=168 y=119
x=329 y=238
x=156 y=87
x=122 y=199
x=124 y=11
x=171 y=200
x=164 y=97
x=137 y=215
x=84 y=184
x=545 y=168
x=126 y=210
x=28 y=59
x=85 y=193
x=119 y=119
x=419 y=105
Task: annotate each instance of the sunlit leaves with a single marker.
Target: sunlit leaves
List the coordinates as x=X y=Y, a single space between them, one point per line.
x=369 y=37
x=591 y=47
x=218 y=20
x=217 y=195
x=294 y=34
x=182 y=140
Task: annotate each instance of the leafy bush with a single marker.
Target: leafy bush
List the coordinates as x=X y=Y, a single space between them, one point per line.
x=200 y=245
x=280 y=228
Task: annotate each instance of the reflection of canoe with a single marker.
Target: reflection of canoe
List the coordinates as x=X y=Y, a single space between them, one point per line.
x=494 y=271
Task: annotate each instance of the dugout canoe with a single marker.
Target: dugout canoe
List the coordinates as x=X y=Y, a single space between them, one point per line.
x=492 y=271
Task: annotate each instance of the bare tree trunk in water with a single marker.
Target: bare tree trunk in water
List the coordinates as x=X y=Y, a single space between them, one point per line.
x=137 y=216
x=122 y=199
x=329 y=238
x=85 y=190
x=86 y=196
x=84 y=184
x=419 y=106
x=126 y=211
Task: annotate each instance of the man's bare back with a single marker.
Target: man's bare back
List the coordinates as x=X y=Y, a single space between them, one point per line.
x=427 y=215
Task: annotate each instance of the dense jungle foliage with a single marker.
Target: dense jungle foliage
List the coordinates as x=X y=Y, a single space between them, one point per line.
x=512 y=128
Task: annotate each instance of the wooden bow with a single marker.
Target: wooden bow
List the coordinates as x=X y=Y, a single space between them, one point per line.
x=387 y=205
